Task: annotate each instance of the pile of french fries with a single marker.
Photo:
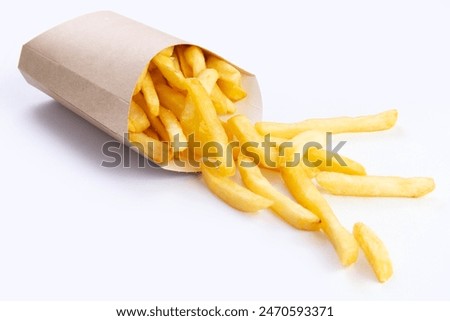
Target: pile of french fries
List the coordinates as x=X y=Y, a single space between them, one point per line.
x=184 y=105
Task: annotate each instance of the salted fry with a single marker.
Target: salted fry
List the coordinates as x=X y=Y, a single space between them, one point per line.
x=221 y=102
x=226 y=71
x=184 y=66
x=229 y=78
x=173 y=128
x=208 y=78
x=381 y=121
x=375 y=251
x=380 y=186
x=158 y=126
x=252 y=143
x=195 y=58
x=172 y=75
x=208 y=128
x=304 y=191
x=136 y=115
x=154 y=149
x=171 y=99
x=330 y=162
x=232 y=193
x=231 y=90
x=151 y=98
x=291 y=212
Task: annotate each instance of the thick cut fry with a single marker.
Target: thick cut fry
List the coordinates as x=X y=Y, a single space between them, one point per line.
x=171 y=99
x=137 y=116
x=293 y=213
x=158 y=126
x=331 y=162
x=375 y=251
x=304 y=191
x=380 y=186
x=185 y=68
x=231 y=90
x=174 y=130
x=226 y=71
x=221 y=102
x=131 y=127
x=154 y=149
x=140 y=80
x=232 y=193
x=208 y=129
x=381 y=121
x=172 y=75
x=151 y=98
x=252 y=143
x=229 y=78
x=195 y=58
x=208 y=78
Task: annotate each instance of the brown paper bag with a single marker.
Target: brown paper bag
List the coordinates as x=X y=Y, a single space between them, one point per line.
x=91 y=64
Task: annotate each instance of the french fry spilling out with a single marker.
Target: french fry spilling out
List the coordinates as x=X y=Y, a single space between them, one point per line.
x=179 y=109
x=178 y=102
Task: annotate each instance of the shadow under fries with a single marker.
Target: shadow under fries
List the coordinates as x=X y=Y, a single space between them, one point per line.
x=83 y=137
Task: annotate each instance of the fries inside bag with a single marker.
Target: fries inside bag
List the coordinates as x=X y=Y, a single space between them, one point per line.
x=91 y=65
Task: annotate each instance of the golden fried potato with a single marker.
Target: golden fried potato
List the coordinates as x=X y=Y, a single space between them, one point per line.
x=381 y=121
x=375 y=251
x=291 y=212
x=379 y=186
x=304 y=191
x=232 y=193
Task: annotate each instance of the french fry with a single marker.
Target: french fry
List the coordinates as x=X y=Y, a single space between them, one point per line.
x=379 y=186
x=226 y=71
x=158 y=126
x=232 y=193
x=173 y=128
x=137 y=116
x=375 y=251
x=231 y=90
x=229 y=78
x=172 y=75
x=328 y=161
x=208 y=129
x=176 y=63
x=251 y=141
x=291 y=212
x=154 y=149
x=221 y=102
x=171 y=99
x=195 y=58
x=208 y=78
x=304 y=191
x=185 y=68
x=150 y=95
x=381 y=121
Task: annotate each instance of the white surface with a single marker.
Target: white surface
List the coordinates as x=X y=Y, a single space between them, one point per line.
x=71 y=229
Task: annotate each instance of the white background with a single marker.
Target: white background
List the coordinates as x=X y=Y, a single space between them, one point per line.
x=71 y=229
